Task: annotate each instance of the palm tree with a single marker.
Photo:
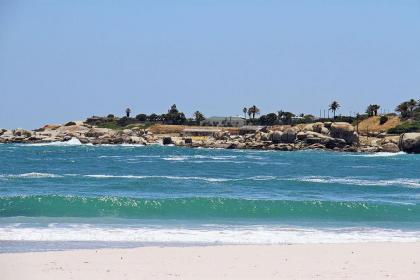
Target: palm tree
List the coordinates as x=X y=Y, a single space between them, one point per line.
x=411 y=104
x=403 y=109
x=127 y=112
x=254 y=110
x=375 y=108
x=199 y=117
x=334 y=106
x=372 y=110
x=244 y=110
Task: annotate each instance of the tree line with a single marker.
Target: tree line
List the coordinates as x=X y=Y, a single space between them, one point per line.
x=408 y=110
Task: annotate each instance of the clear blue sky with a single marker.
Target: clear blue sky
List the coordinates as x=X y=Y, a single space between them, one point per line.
x=66 y=60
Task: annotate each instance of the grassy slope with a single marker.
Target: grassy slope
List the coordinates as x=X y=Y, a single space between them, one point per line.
x=372 y=124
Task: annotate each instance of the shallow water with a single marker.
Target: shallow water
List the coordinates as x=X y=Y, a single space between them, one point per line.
x=127 y=194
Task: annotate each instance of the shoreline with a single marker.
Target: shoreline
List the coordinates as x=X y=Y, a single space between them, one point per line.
x=395 y=260
x=222 y=146
x=327 y=136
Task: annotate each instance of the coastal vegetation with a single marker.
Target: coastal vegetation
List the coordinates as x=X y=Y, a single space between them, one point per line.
x=406 y=118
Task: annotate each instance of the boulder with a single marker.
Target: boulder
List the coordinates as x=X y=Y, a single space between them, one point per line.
x=369 y=149
x=390 y=148
x=317 y=127
x=410 y=142
x=328 y=124
x=316 y=146
x=22 y=133
x=129 y=132
x=136 y=140
x=325 y=131
x=301 y=135
x=95 y=133
x=335 y=143
x=276 y=136
x=188 y=140
x=6 y=133
x=221 y=135
x=344 y=131
x=264 y=136
x=166 y=140
x=308 y=127
x=289 y=135
x=48 y=127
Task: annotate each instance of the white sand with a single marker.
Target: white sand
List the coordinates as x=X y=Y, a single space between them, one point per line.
x=316 y=261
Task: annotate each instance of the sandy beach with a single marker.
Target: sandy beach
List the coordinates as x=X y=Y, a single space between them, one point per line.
x=315 y=261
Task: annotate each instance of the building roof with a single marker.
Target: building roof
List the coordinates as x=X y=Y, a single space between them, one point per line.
x=224 y=118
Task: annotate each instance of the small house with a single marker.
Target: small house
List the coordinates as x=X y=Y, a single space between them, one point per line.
x=224 y=121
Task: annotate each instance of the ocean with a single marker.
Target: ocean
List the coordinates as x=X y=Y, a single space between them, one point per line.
x=62 y=196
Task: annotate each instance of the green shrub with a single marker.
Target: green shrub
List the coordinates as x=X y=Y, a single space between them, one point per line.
x=70 y=123
x=383 y=120
x=406 y=127
x=124 y=121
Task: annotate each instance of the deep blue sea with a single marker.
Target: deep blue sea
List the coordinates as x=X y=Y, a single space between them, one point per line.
x=57 y=196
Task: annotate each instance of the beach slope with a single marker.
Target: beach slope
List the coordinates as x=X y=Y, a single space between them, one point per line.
x=312 y=261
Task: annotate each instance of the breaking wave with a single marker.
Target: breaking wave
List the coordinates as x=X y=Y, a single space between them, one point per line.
x=203 y=207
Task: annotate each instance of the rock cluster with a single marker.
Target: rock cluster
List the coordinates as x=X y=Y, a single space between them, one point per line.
x=339 y=136
x=85 y=133
x=326 y=136
x=410 y=142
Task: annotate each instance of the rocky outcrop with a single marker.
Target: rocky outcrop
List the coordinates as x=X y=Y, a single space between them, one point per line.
x=410 y=142
x=289 y=135
x=276 y=137
x=344 y=131
x=331 y=136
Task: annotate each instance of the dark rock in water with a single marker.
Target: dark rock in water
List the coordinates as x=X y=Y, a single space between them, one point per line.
x=350 y=149
x=167 y=140
x=187 y=140
x=410 y=142
x=335 y=143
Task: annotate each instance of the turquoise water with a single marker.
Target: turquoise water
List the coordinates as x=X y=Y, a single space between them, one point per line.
x=53 y=196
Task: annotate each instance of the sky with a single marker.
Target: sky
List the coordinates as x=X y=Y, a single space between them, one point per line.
x=68 y=60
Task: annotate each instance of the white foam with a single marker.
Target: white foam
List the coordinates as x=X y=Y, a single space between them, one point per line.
x=381 y=154
x=157 y=176
x=184 y=158
x=360 y=182
x=72 y=142
x=31 y=175
x=204 y=235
